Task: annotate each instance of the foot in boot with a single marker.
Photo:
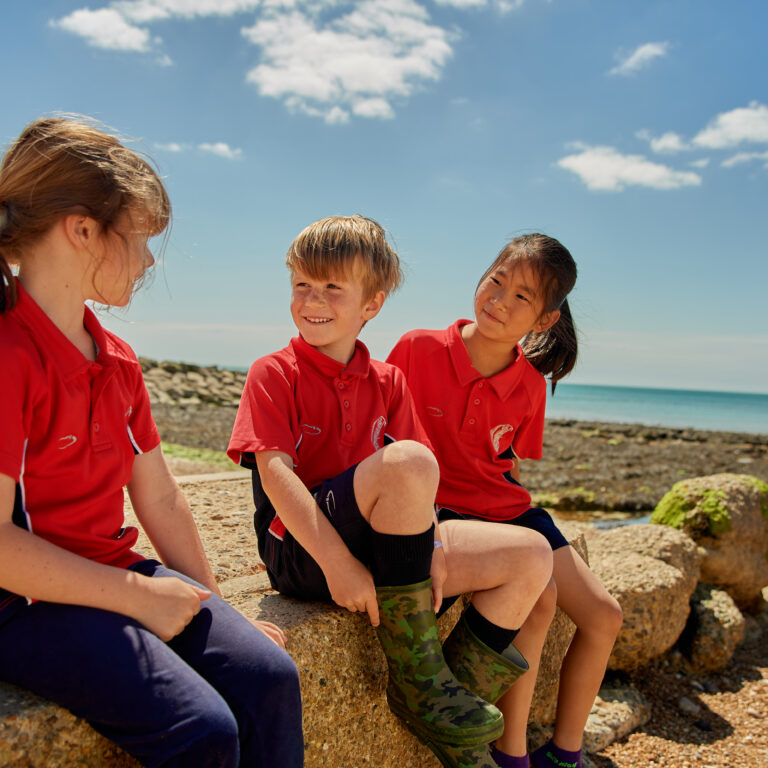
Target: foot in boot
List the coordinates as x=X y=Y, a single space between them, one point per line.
x=422 y=689
x=464 y=757
x=480 y=668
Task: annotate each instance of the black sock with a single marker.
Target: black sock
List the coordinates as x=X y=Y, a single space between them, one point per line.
x=495 y=637
x=399 y=560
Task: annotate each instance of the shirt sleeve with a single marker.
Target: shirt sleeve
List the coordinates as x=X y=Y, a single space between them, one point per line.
x=400 y=355
x=266 y=418
x=142 y=425
x=529 y=438
x=14 y=385
x=402 y=420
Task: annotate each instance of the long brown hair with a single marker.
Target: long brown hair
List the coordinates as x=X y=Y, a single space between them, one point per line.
x=552 y=352
x=63 y=165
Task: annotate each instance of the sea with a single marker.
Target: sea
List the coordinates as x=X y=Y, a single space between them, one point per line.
x=721 y=411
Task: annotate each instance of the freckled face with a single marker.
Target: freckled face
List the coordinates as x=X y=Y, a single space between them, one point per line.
x=330 y=312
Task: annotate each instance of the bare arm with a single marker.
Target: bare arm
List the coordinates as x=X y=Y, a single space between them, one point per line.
x=164 y=514
x=349 y=581
x=35 y=568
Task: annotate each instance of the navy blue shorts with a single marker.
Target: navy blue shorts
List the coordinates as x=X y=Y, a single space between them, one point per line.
x=291 y=569
x=535 y=518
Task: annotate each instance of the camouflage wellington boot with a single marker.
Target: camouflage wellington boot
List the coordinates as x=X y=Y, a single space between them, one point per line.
x=485 y=672
x=422 y=690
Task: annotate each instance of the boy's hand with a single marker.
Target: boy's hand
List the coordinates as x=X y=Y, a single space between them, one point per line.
x=168 y=604
x=351 y=586
x=439 y=573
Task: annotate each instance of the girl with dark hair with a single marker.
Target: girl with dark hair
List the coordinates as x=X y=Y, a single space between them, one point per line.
x=480 y=392
x=147 y=652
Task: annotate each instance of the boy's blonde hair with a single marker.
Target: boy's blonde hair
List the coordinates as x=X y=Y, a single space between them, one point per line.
x=334 y=245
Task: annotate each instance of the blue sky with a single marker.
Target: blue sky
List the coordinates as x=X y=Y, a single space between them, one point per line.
x=635 y=132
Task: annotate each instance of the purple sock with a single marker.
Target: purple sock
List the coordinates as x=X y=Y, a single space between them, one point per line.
x=550 y=755
x=503 y=760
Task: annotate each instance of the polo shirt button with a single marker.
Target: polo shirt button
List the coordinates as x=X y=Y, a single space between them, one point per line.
x=341 y=386
x=481 y=384
x=348 y=427
x=477 y=401
x=346 y=403
x=471 y=421
x=96 y=427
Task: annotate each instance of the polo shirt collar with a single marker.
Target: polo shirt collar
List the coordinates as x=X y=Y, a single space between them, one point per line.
x=59 y=349
x=357 y=366
x=503 y=383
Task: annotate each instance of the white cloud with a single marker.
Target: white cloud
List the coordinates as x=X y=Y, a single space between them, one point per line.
x=171 y=146
x=701 y=163
x=359 y=62
x=603 y=168
x=105 y=28
x=326 y=58
x=220 y=149
x=745 y=157
x=669 y=142
x=145 y=11
x=746 y=124
x=640 y=58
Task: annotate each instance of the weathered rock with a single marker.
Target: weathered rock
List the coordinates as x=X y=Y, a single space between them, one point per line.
x=654 y=595
x=619 y=709
x=727 y=515
x=715 y=627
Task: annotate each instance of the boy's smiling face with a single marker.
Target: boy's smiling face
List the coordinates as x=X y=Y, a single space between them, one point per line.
x=329 y=312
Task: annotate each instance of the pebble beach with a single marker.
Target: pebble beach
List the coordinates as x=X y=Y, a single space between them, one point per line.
x=608 y=474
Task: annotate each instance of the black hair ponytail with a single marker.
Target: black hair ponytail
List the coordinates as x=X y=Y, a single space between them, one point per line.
x=553 y=352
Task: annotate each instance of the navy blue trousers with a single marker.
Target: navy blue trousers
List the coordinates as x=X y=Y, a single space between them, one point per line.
x=220 y=695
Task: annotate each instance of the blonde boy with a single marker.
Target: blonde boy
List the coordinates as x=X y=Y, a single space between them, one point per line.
x=344 y=483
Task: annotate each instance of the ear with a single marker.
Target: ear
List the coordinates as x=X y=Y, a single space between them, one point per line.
x=546 y=321
x=82 y=231
x=372 y=307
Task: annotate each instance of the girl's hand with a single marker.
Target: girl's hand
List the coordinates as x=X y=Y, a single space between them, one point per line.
x=439 y=573
x=272 y=631
x=168 y=604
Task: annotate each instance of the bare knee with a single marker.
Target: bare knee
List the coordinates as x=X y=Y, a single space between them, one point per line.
x=408 y=465
x=605 y=618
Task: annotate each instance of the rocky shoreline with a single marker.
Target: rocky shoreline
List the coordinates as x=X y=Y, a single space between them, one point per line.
x=623 y=469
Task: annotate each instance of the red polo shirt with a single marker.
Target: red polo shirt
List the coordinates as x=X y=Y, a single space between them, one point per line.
x=325 y=415
x=70 y=430
x=472 y=421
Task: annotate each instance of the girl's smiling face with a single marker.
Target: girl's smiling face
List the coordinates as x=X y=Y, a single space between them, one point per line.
x=509 y=303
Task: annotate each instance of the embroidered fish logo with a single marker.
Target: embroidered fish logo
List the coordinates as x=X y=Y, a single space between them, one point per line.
x=67 y=441
x=433 y=411
x=308 y=429
x=376 y=430
x=497 y=433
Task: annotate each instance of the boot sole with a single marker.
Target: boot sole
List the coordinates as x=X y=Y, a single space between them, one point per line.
x=474 y=736
x=438 y=750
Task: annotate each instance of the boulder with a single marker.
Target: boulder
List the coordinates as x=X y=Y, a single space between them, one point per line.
x=727 y=516
x=715 y=627
x=654 y=593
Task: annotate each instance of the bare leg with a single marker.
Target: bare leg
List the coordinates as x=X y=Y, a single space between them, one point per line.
x=516 y=703
x=507 y=568
x=395 y=488
x=598 y=619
